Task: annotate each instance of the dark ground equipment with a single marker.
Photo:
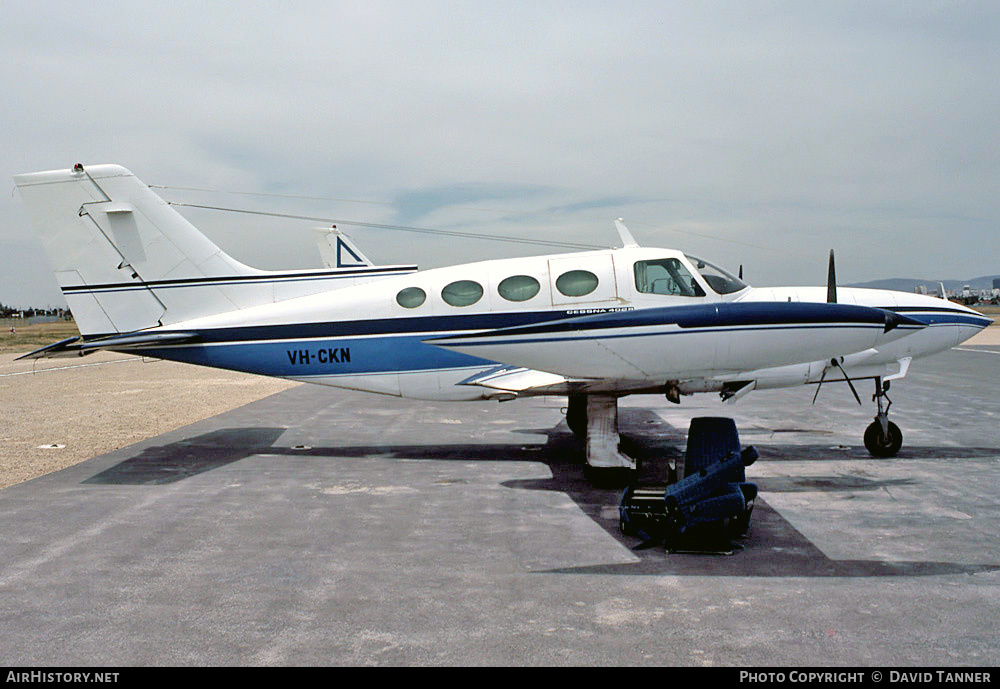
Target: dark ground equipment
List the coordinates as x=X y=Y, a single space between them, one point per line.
x=708 y=507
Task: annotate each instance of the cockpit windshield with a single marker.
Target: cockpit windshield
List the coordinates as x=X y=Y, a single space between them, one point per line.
x=719 y=279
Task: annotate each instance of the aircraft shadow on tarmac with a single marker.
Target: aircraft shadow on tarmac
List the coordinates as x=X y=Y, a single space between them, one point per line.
x=772 y=548
x=189 y=457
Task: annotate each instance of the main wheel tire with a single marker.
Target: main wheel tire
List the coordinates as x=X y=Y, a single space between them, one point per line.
x=878 y=444
x=576 y=415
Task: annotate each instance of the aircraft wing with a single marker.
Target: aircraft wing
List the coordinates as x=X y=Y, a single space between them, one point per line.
x=506 y=379
x=77 y=346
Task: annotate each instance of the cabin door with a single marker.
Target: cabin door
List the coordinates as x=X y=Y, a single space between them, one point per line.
x=583 y=281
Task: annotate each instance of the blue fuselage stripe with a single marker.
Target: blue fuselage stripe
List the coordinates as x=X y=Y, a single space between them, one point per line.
x=335 y=357
x=395 y=345
x=686 y=331
x=952 y=318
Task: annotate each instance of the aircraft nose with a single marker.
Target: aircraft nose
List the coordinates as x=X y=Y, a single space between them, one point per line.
x=893 y=320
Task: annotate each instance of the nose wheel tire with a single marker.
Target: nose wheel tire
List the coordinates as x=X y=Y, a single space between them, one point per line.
x=881 y=445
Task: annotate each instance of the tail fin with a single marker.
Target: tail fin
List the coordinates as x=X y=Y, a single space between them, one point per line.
x=117 y=249
x=338 y=250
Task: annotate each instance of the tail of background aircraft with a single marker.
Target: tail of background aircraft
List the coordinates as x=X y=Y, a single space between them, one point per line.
x=127 y=261
x=338 y=250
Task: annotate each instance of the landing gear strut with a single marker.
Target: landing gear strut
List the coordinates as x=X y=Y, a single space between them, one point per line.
x=594 y=419
x=882 y=437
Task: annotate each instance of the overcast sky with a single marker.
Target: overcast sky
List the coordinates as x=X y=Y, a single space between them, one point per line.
x=750 y=133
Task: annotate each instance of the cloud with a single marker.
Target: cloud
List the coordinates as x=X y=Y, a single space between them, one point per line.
x=867 y=127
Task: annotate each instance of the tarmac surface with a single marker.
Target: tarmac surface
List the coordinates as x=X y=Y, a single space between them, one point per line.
x=57 y=412
x=323 y=527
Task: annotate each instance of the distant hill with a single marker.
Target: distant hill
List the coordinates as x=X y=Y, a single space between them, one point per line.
x=907 y=284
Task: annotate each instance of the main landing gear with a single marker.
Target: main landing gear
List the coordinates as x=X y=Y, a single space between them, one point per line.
x=594 y=418
x=882 y=437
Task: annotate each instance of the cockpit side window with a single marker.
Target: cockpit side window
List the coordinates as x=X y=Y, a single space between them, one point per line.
x=666 y=276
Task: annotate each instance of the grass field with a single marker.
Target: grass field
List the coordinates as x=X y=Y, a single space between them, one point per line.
x=29 y=337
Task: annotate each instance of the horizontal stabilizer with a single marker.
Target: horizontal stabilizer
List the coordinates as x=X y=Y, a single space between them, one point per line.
x=61 y=348
x=76 y=346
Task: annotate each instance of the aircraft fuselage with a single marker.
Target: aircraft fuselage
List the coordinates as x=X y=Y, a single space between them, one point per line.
x=375 y=337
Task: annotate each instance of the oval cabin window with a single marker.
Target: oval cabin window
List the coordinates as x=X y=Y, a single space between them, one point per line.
x=411 y=297
x=577 y=283
x=518 y=288
x=462 y=293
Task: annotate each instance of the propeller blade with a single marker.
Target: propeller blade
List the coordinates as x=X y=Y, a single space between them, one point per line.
x=831 y=282
x=822 y=377
x=849 y=383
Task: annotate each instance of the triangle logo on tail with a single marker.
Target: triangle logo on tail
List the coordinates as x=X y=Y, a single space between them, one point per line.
x=338 y=250
x=354 y=260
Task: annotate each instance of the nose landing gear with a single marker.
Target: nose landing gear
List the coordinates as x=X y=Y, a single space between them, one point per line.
x=882 y=437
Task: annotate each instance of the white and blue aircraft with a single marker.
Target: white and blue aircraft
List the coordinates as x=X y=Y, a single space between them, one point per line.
x=593 y=325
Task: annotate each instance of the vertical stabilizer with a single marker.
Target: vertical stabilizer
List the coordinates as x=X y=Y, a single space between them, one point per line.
x=119 y=251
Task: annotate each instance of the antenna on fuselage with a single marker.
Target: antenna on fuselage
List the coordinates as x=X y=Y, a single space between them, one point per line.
x=628 y=241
